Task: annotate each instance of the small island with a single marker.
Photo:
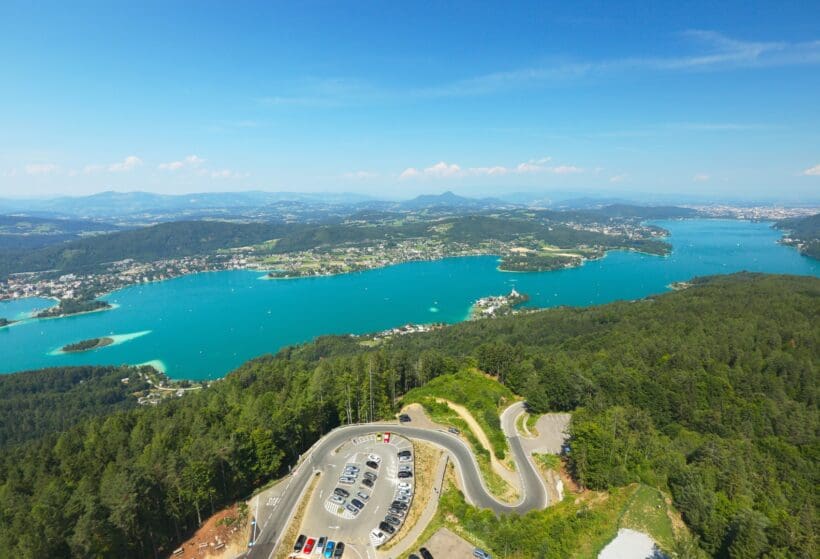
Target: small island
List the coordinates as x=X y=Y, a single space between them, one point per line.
x=500 y=305
x=87 y=345
x=68 y=307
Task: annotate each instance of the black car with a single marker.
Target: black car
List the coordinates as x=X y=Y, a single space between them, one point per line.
x=425 y=553
x=367 y=483
x=395 y=512
x=340 y=549
x=321 y=543
x=370 y=475
x=404 y=475
x=342 y=492
x=404 y=453
x=385 y=527
x=404 y=418
x=357 y=503
x=372 y=464
x=398 y=505
x=390 y=519
x=300 y=543
x=413 y=556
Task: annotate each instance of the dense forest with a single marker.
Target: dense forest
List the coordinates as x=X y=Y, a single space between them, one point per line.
x=37 y=403
x=709 y=393
x=804 y=232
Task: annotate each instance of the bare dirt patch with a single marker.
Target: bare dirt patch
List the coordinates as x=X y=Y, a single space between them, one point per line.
x=222 y=535
x=445 y=543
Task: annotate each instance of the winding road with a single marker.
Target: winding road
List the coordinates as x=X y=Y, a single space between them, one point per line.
x=534 y=493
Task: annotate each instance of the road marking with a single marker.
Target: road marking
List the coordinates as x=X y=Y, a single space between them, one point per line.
x=273 y=501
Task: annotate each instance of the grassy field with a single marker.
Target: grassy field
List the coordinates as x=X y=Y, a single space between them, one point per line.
x=484 y=397
x=442 y=413
x=579 y=527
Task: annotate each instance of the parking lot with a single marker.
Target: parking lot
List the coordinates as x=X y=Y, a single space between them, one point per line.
x=356 y=491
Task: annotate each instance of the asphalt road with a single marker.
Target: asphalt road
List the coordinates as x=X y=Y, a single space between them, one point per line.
x=534 y=494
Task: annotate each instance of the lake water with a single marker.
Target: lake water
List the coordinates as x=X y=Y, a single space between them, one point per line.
x=203 y=325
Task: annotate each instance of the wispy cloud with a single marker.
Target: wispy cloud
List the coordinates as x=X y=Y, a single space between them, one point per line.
x=701 y=177
x=707 y=51
x=39 y=169
x=186 y=162
x=128 y=164
x=618 y=178
x=443 y=169
x=812 y=171
x=360 y=175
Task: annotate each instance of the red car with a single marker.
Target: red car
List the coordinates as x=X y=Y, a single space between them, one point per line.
x=387 y=437
x=308 y=546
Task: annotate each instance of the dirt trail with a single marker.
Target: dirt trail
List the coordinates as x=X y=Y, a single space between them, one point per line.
x=498 y=467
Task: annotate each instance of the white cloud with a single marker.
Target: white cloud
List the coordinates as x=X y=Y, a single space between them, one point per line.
x=128 y=164
x=223 y=174
x=37 y=169
x=812 y=171
x=701 y=177
x=567 y=170
x=189 y=161
x=618 y=178
x=452 y=170
x=93 y=169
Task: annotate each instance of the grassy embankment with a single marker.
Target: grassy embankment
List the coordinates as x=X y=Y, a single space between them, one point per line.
x=485 y=399
x=578 y=527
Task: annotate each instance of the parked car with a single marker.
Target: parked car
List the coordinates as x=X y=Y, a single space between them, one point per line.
x=405 y=474
x=372 y=464
x=340 y=549
x=394 y=520
x=352 y=509
x=405 y=468
x=404 y=418
x=425 y=553
x=375 y=457
x=405 y=458
x=320 y=545
x=404 y=452
x=351 y=467
x=346 y=480
x=300 y=542
x=453 y=430
x=329 y=549
x=413 y=556
x=481 y=554
x=338 y=499
x=387 y=437
x=370 y=475
x=308 y=546
x=399 y=505
x=357 y=503
x=363 y=496
x=341 y=492
x=396 y=512
x=404 y=485
x=385 y=527
x=367 y=483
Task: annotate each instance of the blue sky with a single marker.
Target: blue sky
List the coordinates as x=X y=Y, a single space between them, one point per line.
x=399 y=98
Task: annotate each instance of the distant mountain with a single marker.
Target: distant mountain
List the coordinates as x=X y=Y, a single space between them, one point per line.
x=112 y=204
x=451 y=200
x=646 y=212
x=25 y=232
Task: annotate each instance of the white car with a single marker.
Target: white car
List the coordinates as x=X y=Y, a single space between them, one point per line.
x=405 y=458
x=375 y=458
x=347 y=480
x=336 y=499
x=404 y=485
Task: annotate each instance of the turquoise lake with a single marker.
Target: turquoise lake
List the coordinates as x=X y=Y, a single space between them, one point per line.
x=201 y=326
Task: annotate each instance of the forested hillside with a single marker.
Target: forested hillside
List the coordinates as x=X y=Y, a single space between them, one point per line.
x=35 y=403
x=804 y=233
x=709 y=393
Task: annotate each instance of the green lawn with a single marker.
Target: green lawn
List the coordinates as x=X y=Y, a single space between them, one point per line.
x=484 y=397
